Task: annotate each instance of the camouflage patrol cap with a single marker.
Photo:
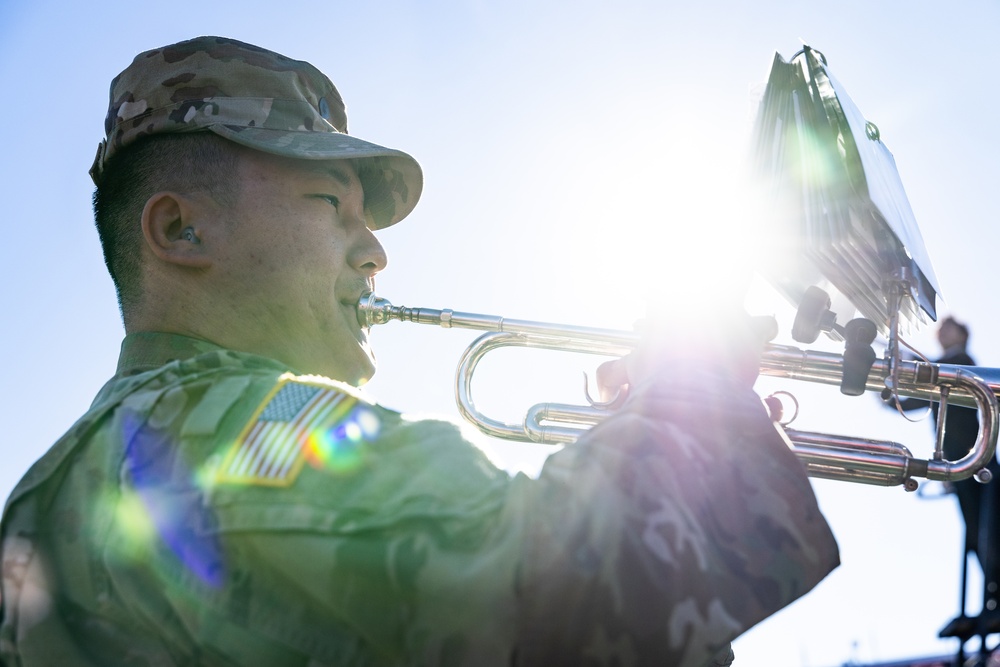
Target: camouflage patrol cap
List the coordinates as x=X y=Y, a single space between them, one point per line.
x=256 y=98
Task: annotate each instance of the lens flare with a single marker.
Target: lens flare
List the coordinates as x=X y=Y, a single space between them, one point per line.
x=166 y=501
x=135 y=527
x=341 y=447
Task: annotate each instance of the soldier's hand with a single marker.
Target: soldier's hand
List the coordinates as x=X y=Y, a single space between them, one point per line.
x=729 y=347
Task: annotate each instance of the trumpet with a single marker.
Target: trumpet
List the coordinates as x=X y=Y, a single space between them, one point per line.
x=827 y=456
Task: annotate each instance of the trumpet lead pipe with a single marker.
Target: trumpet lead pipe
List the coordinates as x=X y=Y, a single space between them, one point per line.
x=373 y=310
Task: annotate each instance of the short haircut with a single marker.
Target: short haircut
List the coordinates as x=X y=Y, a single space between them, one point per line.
x=182 y=163
x=963 y=329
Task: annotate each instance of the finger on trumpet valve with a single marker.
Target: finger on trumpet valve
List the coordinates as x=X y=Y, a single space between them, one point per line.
x=612 y=384
x=612 y=393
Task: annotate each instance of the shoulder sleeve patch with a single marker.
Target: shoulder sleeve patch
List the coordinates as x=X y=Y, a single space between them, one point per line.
x=271 y=449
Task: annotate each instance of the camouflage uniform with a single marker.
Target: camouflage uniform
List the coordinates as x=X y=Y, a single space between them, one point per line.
x=142 y=539
x=214 y=507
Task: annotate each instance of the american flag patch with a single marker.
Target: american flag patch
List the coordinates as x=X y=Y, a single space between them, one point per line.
x=270 y=451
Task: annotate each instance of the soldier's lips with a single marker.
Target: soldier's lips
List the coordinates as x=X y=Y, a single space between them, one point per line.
x=351 y=314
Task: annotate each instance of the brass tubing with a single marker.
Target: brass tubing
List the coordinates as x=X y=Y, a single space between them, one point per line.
x=824 y=455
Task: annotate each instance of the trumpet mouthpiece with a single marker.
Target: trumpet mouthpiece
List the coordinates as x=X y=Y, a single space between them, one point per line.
x=374 y=310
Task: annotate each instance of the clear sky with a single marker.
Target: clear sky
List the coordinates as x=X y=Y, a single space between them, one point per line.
x=577 y=156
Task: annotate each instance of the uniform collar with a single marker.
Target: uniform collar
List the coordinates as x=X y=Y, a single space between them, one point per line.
x=955 y=350
x=147 y=350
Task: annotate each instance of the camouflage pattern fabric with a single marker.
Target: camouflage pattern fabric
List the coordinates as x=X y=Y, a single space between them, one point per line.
x=172 y=526
x=256 y=98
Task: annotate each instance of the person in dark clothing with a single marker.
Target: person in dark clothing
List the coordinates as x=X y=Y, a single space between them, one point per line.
x=978 y=502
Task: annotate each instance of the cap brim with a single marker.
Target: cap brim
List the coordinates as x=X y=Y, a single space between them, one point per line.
x=392 y=181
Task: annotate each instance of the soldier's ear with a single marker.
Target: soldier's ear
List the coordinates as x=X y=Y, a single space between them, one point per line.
x=171 y=226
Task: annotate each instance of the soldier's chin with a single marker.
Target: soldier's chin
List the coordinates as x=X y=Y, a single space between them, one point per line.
x=368 y=369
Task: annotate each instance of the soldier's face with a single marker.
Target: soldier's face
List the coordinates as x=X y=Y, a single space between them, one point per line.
x=300 y=255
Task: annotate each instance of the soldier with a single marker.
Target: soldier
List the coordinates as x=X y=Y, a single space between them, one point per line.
x=231 y=499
